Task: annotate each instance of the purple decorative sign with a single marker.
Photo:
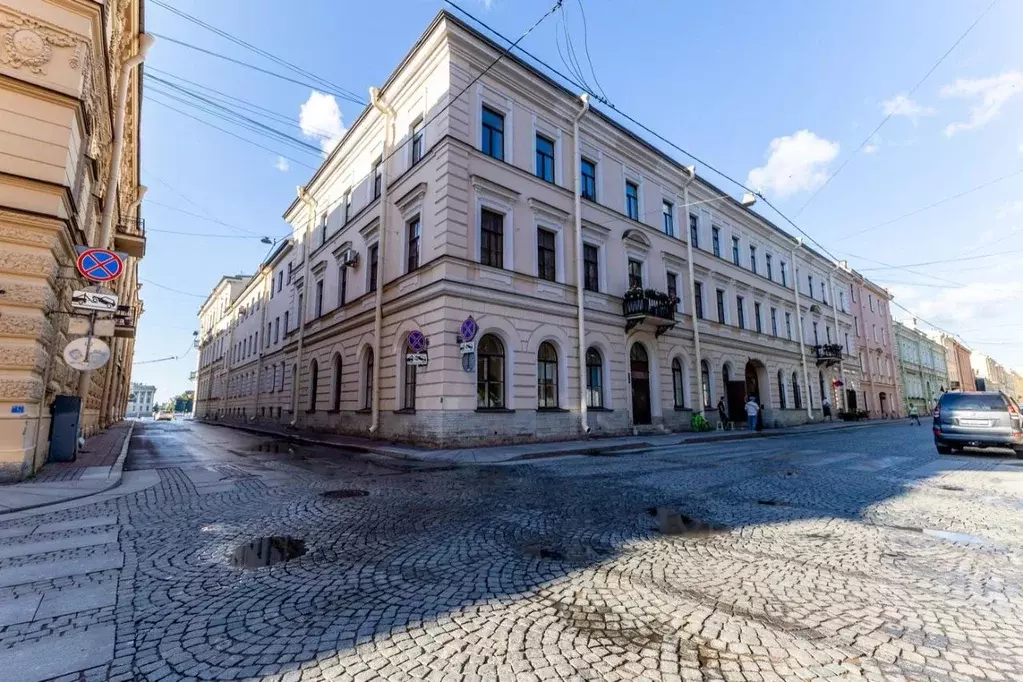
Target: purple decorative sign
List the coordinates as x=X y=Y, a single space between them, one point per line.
x=467 y=332
x=416 y=341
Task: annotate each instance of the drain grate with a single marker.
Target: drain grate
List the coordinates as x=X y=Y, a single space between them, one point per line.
x=344 y=494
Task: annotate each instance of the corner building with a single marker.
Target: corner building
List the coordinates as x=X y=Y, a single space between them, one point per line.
x=471 y=212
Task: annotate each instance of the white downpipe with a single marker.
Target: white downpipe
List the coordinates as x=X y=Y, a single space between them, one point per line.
x=799 y=325
x=310 y=226
x=697 y=367
x=264 y=304
x=841 y=356
x=378 y=313
x=579 y=295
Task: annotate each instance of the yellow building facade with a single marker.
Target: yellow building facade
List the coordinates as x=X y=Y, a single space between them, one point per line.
x=61 y=64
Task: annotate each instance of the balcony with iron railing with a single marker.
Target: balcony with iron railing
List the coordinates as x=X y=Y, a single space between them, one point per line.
x=828 y=354
x=649 y=306
x=130 y=236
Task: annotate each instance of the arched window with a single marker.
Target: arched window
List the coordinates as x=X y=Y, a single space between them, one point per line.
x=314 y=371
x=797 y=399
x=594 y=379
x=726 y=376
x=547 y=376
x=335 y=389
x=676 y=383
x=409 y=402
x=781 y=390
x=368 y=402
x=490 y=373
x=705 y=384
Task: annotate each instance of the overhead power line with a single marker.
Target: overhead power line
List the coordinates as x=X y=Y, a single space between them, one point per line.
x=171 y=289
x=944 y=262
x=873 y=132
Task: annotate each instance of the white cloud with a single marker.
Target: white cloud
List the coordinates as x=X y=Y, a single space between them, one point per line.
x=975 y=305
x=902 y=105
x=282 y=164
x=873 y=144
x=795 y=163
x=992 y=92
x=320 y=120
x=1010 y=208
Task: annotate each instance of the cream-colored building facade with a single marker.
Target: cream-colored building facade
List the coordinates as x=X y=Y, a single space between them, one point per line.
x=472 y=211
x=922 y=367
x=991 y=375
x=60 y=63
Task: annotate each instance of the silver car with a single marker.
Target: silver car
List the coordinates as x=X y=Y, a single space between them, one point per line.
x=978 y=419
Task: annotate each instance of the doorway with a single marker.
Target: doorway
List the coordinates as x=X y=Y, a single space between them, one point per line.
x=753 y=379
x=882 y=398
x=639 y=372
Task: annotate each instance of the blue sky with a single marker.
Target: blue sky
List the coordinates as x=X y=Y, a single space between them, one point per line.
x=774 y=94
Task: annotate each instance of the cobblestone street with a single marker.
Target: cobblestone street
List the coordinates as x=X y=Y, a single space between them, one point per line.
x=848 y=554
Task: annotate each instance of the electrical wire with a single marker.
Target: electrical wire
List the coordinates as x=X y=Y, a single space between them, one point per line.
x=238 y=41
x=202 y=234
x=173 y=290
x=869 y=137
x=586 y=49
x=252 y=235
x=943 y=262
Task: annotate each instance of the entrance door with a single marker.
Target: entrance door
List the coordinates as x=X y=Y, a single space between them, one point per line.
x=736 y=398
x=850 y=400
x=639 y=364
x=64 y=428
x=883 y=399
x=752 y=382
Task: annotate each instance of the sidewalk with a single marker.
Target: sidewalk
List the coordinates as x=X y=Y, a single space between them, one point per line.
x=98 y=468
x=493 y=454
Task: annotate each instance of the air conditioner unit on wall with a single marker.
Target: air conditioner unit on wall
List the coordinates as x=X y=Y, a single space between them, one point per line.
x=350 y=256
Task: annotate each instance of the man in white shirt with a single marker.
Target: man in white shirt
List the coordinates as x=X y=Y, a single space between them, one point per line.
x=752 y=409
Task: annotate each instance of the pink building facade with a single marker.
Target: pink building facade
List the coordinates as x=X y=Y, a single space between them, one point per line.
x=878 y=390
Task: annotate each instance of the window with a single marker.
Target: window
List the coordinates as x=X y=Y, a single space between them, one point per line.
x=374 y=253
x=323 y=228
x=788 y=325
x=409 y=399
x=277 y=327
x=417 y=141
x=493 y=134
x=269 y=331
x=721 y=305
x=300 y=313
x=594 y=379
x=770 y=270
x=784 y=275
x=367 y=403
x=740 y=312
x=705 y=384
x=335 y=402
x=884 y=336
x=781 y=390
x=870 y=297
x=546 y=267
x=280 y=280
x=694 y=230
x=313 y=378
x=287 y=314
x=873 y=329
x=753 y=258
x=715 y=240
x=809 y=285
x=774 y=321
x=491 y=238
x=699 y=300
x=347 y=200
x=735 y=250
x=756 y=318
x=677 y=385
x=544 y=158
x=824 y=293
x=856 y=325
x=414 y=232
x=827 y=332
x=841 y=301
x=797 y=399
x=635 y=274
x=673 y=287
x=490 y=373
x=668 y=213
x=342 y=286
x=632 y=200
x=377 y=177
x=319 y=297
x=591 y=274
x=547 y=376
x=588 y=190
x=816 y=340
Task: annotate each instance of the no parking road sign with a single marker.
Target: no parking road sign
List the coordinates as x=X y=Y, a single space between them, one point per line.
x=100 y=265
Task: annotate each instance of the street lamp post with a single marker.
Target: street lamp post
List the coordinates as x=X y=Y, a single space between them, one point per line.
x=841 y=355
x=799 y=325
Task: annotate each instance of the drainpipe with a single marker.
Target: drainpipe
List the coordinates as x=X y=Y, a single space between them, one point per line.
x=799 y=324
x=378 y=313
x=311 y=203
x=262 y=330
x=579 y=296
x=688 y=177
x=110 y=198
x=841 y=356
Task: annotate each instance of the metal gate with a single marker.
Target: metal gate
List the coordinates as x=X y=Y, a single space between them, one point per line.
x=65 y=412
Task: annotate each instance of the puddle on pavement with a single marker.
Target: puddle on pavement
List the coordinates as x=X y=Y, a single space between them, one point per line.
x=267 y=551
x=772 y=503
x=543 y=552
x=344 y=494
x=671 y=522
x=276 y=446
x=950 y=488
x=963 y=538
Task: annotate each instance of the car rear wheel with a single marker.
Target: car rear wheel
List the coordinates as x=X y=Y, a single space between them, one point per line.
x=944 y=450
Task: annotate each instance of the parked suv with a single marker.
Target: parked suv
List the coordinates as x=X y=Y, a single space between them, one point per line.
x=978 y=419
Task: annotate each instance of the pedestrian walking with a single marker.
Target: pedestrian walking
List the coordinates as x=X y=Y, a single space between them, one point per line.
x=826 y=405
x=914 y=415
x=722 y=413
x=752 y=410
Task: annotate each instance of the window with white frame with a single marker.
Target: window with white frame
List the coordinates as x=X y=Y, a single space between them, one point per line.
x=668 y=216
x=632 y=199
x=492 y=132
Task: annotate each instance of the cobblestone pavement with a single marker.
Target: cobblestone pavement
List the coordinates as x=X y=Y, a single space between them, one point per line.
x=855 y=554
